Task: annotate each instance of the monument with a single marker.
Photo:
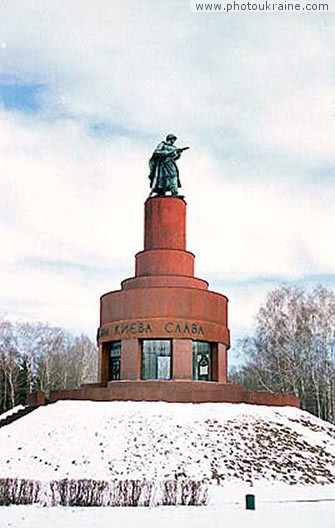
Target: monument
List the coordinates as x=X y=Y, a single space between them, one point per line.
x=164 y=335
x=164 y=324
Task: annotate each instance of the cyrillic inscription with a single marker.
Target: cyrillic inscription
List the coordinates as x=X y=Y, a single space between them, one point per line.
x=103 y=332
x=127 y=328
x=183 y=328
x=132 y=328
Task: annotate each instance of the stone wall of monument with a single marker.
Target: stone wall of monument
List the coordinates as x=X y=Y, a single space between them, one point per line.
x=170 y=391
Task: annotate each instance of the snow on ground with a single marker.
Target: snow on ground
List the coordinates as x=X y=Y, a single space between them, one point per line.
x=222 y=442
x=224 y=513
x=240 y=448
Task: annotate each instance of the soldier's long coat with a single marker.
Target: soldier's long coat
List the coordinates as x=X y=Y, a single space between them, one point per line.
x=164 y=173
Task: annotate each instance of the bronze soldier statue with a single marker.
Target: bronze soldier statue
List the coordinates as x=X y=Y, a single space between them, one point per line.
x=164 y=173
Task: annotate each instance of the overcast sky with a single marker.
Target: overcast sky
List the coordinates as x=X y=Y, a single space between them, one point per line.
x=88 y=89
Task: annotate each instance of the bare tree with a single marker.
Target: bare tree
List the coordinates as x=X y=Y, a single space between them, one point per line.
x=293 y=348
x=38 y=356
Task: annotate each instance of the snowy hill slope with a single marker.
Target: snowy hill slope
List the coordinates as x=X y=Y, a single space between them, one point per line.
x=156 y=441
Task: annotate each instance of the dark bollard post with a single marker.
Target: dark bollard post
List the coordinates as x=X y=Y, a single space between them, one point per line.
x=250 y=502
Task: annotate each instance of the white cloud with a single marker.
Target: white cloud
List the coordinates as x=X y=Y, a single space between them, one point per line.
x=261 y=228
x=154 y=66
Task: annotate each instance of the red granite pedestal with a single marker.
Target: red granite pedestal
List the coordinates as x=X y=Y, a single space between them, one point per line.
x=164 y=301
x=165 y=305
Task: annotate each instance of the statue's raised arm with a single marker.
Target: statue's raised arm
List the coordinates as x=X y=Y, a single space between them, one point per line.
x=164 y=173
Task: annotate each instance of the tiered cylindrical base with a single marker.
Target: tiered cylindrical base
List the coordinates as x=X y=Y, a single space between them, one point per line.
x=164 y=324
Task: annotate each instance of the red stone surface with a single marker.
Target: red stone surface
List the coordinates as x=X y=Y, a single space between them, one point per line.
x=36 y=399
x=182 y=359
x=164 y=262
x=222 y=363
x=176 y=391
x=152 y=281
x=130 y=360
x=164 y=328
x=169 y=303
x=165 y=223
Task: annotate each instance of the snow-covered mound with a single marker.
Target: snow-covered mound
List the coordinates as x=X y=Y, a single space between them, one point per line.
x=159 y=441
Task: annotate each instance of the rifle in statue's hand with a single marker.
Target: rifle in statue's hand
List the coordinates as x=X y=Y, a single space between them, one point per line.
x=182 y=149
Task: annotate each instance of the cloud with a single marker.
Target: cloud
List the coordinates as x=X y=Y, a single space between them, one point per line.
x=262 y=228
x=152 y=67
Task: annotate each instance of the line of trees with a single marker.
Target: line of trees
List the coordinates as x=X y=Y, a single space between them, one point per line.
x=38 y=356
x=293 y=348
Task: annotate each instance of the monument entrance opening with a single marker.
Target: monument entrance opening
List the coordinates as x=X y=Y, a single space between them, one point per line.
x=202 y=361
x=115 y=361
x=156 y=359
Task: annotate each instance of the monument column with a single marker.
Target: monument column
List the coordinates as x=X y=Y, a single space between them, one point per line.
x=222 y=363
x=130 y=359
x=182 y=359
x=165 y=223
